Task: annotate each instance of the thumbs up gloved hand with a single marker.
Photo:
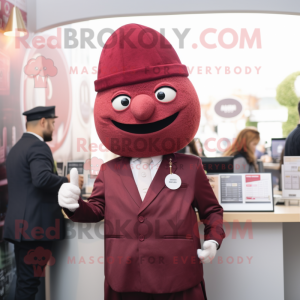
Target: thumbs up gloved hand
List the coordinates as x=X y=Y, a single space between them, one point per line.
x=208 y=253
x=69 y=193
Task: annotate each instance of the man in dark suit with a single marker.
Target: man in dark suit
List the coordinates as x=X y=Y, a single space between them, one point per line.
x=33 y=219
x=292 y=144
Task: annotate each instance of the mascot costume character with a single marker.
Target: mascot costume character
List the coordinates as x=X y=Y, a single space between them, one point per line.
x=146 y=109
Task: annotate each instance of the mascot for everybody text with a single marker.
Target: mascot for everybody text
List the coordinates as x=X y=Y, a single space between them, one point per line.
x=146 y=109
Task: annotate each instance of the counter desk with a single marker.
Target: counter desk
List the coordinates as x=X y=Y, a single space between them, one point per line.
x=259 y=259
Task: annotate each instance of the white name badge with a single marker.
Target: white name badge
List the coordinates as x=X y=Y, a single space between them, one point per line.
x=173 y=181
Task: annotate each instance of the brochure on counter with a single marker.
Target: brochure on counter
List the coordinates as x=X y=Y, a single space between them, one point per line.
x=290 y=171
x=244 y=192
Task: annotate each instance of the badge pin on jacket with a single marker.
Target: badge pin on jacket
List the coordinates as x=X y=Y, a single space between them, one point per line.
x=172 y=181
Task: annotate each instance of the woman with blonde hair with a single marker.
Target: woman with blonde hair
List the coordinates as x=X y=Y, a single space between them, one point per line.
x=243 y=150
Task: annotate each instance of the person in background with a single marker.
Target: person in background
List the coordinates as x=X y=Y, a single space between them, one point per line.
x=199 y=147
x=292 y=143
x=193 y=148
x=34 y=219
x=243 y=150
x=260 y=151
x=279 y=168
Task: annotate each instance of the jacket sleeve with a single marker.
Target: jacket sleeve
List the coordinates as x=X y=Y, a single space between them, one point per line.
x=93 y=210
x=209 y=209
x=41 y=167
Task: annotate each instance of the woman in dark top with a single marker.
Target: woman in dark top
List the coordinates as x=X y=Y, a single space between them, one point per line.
x=243 y=150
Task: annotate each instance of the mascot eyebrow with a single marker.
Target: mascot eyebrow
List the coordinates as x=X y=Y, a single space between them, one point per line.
x=118 y=95
x=164 y=86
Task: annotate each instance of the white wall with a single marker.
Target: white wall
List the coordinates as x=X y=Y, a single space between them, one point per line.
x=44 y=14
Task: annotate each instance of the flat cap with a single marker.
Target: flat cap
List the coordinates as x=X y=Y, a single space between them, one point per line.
x=39 y=112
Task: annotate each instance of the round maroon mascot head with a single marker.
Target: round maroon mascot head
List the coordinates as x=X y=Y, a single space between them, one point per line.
x=146 y=105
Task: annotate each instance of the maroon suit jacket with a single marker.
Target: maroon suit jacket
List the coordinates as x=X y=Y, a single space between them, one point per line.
x=151 y=245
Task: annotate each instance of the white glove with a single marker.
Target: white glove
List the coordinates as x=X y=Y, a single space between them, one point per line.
x=69 y=193
x=208 y=253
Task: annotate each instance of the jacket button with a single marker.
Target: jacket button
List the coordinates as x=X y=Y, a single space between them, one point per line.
x=141 y=237
x=141 y=219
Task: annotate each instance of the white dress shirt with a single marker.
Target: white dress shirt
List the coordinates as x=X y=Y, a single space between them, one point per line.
x=38 y=136
x=154 y=165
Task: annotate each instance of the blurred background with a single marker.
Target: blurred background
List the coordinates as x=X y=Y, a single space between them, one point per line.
x=244 y=67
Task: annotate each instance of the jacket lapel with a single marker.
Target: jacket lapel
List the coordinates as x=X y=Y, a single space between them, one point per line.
x=128 y=180
x=158 y=182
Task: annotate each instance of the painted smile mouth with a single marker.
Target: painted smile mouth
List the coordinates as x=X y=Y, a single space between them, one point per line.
x=148 y=127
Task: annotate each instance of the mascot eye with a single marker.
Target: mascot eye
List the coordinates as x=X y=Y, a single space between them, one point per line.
x=165 y=94
x=121 y=102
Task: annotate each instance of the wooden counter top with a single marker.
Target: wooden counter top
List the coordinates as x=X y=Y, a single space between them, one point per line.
x=281 y=214
x=271 y=166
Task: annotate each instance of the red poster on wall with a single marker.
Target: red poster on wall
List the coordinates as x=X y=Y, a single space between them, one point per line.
x=49 y=86
x=4 y=74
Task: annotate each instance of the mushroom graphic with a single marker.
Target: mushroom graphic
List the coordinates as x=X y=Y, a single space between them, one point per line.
x=38 y=258
x=93 y=165
x=40 y=69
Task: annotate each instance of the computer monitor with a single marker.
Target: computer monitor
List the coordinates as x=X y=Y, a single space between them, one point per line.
x=75 y=164
x=277 y=145
x=260 y=166
x=218 y=165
